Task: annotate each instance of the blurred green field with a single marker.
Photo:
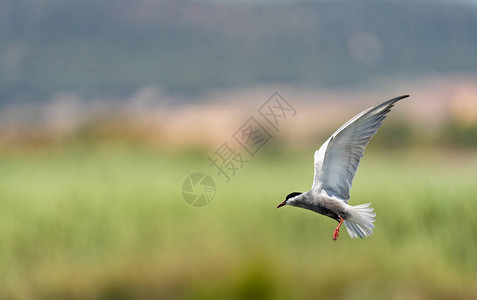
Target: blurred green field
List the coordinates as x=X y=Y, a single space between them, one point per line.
x=110 y=223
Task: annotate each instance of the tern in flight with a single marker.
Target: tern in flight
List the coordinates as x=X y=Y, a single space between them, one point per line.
x=336 y=163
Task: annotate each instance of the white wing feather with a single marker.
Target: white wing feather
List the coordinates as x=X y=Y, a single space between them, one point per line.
x=338 y=158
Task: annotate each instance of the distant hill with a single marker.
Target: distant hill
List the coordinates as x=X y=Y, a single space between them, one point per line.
x=112 y=48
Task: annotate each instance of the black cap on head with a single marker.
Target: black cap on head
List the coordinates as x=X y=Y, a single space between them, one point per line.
x=294 y=194
x=288 y=197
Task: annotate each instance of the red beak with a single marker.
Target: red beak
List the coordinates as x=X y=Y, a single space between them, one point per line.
x=281 y=204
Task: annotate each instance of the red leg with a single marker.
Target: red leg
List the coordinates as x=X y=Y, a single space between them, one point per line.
x=336 y=233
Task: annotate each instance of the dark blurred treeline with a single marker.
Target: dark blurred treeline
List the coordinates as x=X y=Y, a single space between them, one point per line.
x=111 y=48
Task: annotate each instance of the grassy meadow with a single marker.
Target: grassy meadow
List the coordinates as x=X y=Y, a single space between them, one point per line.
x=109 y=223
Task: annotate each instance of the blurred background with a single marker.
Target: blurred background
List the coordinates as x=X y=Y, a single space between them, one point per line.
x=107 y=106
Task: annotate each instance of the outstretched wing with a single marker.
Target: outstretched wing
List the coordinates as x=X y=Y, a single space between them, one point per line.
x=338 y=158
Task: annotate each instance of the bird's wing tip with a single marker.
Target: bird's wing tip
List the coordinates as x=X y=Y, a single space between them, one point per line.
x=394 y=100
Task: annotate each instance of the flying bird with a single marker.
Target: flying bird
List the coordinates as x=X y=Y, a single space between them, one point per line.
x=336 y=163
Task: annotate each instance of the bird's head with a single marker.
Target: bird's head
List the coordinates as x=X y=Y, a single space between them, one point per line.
x=289 y=199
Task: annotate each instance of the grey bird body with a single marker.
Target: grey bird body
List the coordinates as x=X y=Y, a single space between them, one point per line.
x=336 y=163
x=320 y=203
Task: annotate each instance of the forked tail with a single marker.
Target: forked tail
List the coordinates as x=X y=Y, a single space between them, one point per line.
x=360 y=222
